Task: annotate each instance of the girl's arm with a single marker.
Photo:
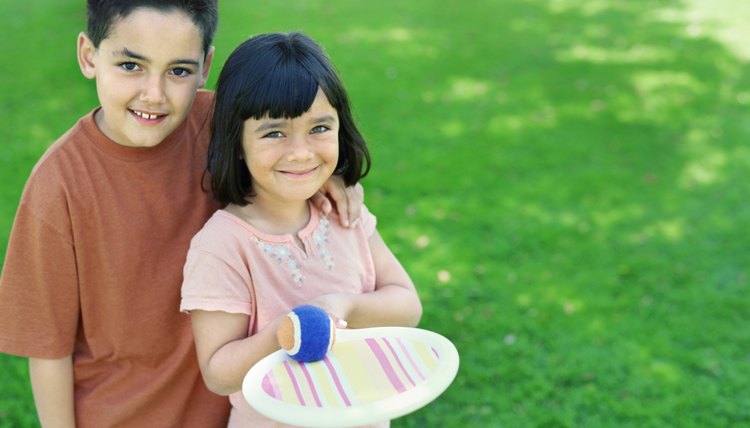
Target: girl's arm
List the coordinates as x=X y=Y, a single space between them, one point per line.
x=225 y=353
x=347 y=200
x=52 y=383
x=393 y=303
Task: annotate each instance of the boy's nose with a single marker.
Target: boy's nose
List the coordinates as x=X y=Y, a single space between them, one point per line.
x=153 y=92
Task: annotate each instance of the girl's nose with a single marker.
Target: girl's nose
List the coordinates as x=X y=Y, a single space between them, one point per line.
x=300 y=149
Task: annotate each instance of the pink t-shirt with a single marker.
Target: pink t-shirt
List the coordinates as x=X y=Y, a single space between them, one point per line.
x=234 y=267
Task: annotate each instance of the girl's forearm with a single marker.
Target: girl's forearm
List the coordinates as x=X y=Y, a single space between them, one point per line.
x=390 y=305
x=227 y=367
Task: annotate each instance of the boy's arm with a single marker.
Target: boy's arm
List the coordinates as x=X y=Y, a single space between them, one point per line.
x=347 y=200
x=52 y=383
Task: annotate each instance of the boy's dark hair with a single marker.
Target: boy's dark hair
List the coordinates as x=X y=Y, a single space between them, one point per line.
x=103 y=13
x=279 y=75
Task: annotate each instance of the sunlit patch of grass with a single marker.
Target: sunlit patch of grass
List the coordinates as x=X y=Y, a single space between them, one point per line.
x=563 y=180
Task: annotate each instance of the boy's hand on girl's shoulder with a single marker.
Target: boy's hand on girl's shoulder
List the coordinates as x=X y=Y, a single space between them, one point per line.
x=347 y=201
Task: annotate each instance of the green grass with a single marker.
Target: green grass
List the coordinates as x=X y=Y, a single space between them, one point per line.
x=563 y=179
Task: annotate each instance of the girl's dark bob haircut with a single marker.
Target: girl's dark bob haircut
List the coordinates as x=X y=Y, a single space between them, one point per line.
x=276 y=75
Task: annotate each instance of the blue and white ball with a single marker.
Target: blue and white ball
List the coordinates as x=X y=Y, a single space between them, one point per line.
x=307 y=333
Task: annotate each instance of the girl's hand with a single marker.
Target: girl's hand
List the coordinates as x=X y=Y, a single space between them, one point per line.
x=336 y=305
x=347 y=201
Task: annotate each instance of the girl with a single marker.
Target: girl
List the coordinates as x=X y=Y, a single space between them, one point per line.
x=282 y=126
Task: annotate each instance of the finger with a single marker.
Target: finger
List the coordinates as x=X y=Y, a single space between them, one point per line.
x=355 y=199
x=320 y=200
x=342 y=207
x=338 y=322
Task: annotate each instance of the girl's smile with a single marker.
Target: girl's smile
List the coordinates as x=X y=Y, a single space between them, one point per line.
x=301 y=174
x=289 y=159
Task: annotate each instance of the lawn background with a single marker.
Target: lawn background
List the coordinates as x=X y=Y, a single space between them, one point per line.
x=563 y=179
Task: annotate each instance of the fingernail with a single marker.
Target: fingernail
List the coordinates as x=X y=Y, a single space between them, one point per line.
x=341 y=323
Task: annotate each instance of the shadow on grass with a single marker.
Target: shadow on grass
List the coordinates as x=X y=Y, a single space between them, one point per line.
x=565 y=182
x=573 y=194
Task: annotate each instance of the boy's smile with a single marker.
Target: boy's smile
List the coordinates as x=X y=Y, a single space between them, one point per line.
x=146 y=78
x=146 y=117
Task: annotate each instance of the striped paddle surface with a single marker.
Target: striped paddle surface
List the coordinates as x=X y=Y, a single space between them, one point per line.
x=353 y=373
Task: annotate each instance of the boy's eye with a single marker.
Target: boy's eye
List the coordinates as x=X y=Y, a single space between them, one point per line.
x=274 y=134
x=320 y=128
x=129 y=66
x=181 y=72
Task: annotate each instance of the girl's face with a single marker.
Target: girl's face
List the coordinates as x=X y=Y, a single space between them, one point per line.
x=290 y=159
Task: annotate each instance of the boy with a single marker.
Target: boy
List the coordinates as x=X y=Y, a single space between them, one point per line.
x=90 y=289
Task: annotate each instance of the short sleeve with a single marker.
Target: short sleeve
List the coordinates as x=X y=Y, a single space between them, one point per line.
x=215 y=278
x=39 y=296
x=368 y=221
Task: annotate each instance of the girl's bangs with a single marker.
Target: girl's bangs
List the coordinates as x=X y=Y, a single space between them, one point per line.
x=287 y=92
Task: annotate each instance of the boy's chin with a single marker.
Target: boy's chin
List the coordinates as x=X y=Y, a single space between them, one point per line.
x=141 y=143
x=151 y=138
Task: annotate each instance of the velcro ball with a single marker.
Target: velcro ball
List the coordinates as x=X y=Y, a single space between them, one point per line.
x=306 y=333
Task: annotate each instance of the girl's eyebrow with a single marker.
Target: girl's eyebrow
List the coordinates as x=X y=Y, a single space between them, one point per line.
x=269 y=124
x=276 y=124
x=130 y=54
x=328 y=118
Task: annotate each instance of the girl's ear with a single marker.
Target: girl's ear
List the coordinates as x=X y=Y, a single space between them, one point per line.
x=86 y=52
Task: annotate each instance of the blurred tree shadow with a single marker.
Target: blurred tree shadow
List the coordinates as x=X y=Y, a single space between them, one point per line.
x=579 y=172
x=562 y=178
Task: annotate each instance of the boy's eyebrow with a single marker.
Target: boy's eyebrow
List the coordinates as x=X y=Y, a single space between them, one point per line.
x=130 y=54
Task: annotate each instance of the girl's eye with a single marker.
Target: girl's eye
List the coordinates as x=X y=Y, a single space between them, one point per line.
x=274 y=134
x=181 y=72
x=129 y=66
x=320 y=128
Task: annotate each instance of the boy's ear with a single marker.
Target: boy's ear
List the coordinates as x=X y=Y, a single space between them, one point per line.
x=207 y=66
x=86 y=51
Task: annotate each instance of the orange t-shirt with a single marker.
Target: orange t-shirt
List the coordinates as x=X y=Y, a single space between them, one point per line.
x=94 y=269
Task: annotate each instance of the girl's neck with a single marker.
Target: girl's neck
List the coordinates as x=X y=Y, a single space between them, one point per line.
x=274 y=219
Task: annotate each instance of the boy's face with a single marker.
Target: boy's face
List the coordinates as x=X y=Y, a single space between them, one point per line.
x=147 y=72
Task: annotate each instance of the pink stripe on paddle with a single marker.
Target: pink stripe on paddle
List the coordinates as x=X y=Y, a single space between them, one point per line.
x=270 y=386
x=312 y=384
x=411 y=360
x=385 y=365
x=398 y=360
x=337 y=382
x=294 y=382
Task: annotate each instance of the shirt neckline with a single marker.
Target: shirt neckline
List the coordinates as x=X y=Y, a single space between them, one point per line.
x=106 y=145
x=303 y=233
